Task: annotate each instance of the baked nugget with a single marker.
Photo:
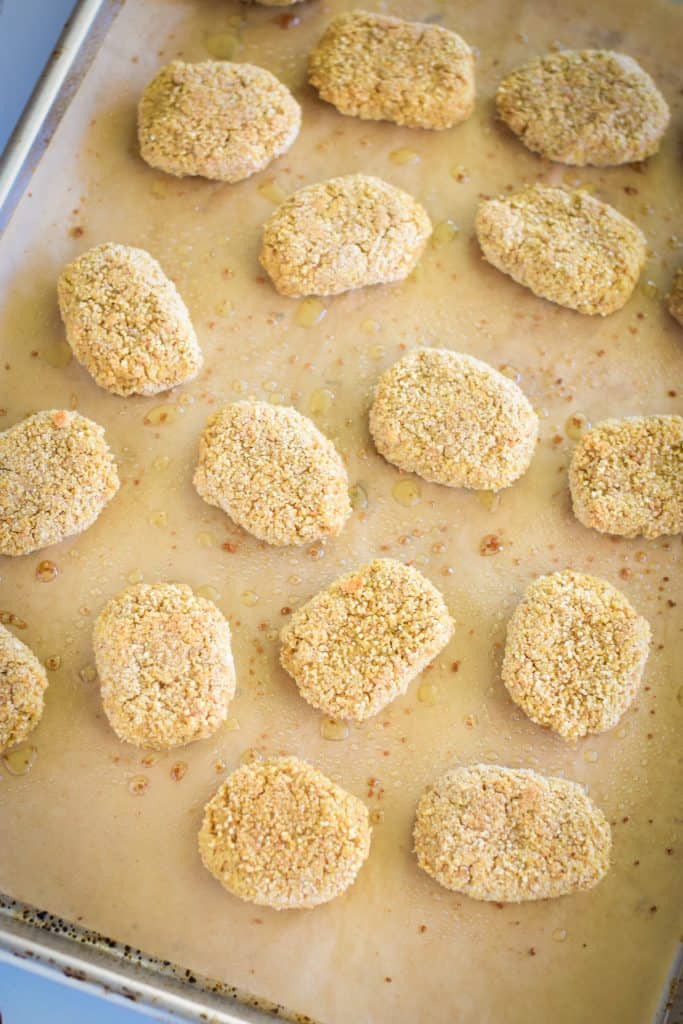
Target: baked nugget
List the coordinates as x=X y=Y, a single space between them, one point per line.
x=510 y=835
x=584 y=107
x=343 y=233
x=675 y=297
x=626 y=476
x=23 y=683
x=381 y=68
x=565 y=246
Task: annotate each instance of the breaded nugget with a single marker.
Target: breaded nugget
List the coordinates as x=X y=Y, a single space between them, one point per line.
x=584 y=107
x=126 y=322
x=510 y=835
x=280 y=834
x=273 y=472
x=215 y=119
x=626 y=476
x=164 y=660
x=575 y=653
x=454 y=420
x=22 y=684
x=675 y=297
x=382 y=68
x=565 y=246
x=343 y=233
x=57 y=473
x=356 y=646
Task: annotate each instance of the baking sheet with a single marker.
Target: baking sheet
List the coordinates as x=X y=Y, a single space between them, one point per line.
x=75 y=837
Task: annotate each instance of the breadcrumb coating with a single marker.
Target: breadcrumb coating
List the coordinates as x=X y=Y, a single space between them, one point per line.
x=626 y=476
x=273 y=472
x=356 y=646
x=280 y=834
x=381 y=68
x=344 y=233
x=575 y=653
x=164 y=660
x=453 y=420
x=675 y=297
x=275 y=3
x=584 y=107
x=57 y=473
x=22 y=684
x=510 y=835
x=565 y=246
x=215 y=119
x=126 y=322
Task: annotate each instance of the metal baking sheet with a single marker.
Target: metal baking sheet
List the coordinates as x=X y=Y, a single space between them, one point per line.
x=76 y=840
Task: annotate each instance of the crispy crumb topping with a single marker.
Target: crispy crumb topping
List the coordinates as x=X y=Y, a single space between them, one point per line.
x=22 y=684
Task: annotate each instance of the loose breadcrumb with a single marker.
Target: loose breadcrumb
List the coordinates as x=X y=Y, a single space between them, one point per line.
x=356 y=646
x=280 y=834
x=510 y=835
x=215 y=119
x=575 y=653
x=22 y=684
x=343 y=233
x=626 y=476
x=382 y=68
x=273 y=472
x=126 y=322
x=57 y=473
x=675 y=297
x=454 y=420
x=565 y=246
x=584 y=107
x=165 y=665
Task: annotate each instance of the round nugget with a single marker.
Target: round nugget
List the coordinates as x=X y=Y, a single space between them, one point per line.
x=126 y=322
x=280 y=834
x=574 y=654
x=626 y=476
x=509 y=835
x=165 y=665
x=57 y=473
x=675 y=297
x=215 y=119
x=273 y=472
x=382 y=68
x=343 y=233
x=22 y=684
x=356 y=646
x=565 y=246
x=454 y=420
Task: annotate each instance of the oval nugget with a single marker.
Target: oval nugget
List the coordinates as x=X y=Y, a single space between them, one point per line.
x=382 y=68
x=575 y=653
x=565 y=246
x=453 y=420
x=510 y=835
x=356 y=646
x=126 y=322
x=675 y=297
x=215 y=119
x=22 y=684
x=626 y=476
x=280 y=834
x=57 y=473
x=343 y=233
x=584 y=107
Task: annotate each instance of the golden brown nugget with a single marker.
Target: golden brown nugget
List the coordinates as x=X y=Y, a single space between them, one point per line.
x=575 y=653
x=22 y=684
x=626 y=476
x=57 y=473
x=343 y=233
x=164 y=660
x=215 y=119
x=356 y=646
x=510 y=835
x=565 y=246
x=126 y=323
x=280 y=834
x=584 y=107
x=381 y=68
x=454 y=420
x=675 y=297
x=273 y=472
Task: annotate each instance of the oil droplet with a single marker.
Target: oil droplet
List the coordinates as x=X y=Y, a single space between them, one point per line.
x=679 y=695
x=20 y=760
x=443 y=233
x=331 y=730
x=591 y=756
x=309 y=313
x=138 y=785
x=559 y=935
x=358 y=496
x=231 y=725
x=222 y=45
x=404 y=156
x=224 y=307
x=576 y=426
x=149 y=759
x=161 y=462
x=53 y=662
x=376 y=352
x=46 y=572
x=240 y=386
x=88 y=674
x=158 y=519
x=460 y=174
x=427 y=694
x=249 y=598
x=250 y=755
x=316 y=551
x=207 y=591
x=376 y=816
x=160 y=415
x=271 y=386
x=490 y=545
x=489 y=499
x=508 y=370
x=406 y=492
x=272 y=191
x=370 y=326
x=178 y=770
x=186 y=399
x=206 y=539
x=58 y=355
x=416 y=274
x=321 y=401
x=650 y=289
x=135 y=576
